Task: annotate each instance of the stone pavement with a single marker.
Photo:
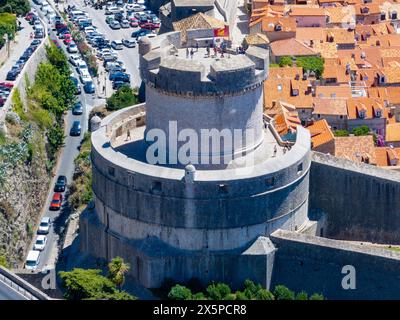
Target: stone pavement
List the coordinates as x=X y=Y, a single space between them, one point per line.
x=17 y=48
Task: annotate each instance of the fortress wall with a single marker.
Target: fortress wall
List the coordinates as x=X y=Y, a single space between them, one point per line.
x=153 y=261
x=314 y=264
x=361 y=202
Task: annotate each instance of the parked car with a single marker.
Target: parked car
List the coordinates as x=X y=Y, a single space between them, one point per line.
x=125 y=24
x=149 y=26
x=40 y=243
x=61 y=184
x=75 y=129
x=44 y=226
x=12 y=75
x=74 y=59
x=118 y=84
x=56 y=201
x=32 y=260
x=134 y=23
x=115 y=25
x=77 y=110
x=140 y=33
x=117 y=45
x=119 y=75
x=72 y=48
x=109 y=19
x=129 y=43
x=89 y=87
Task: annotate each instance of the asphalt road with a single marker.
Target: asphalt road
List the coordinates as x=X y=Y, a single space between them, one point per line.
x=65 y=167
x=129 y=56
x=7 y=293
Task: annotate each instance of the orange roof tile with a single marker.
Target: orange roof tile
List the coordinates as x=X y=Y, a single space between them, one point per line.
x=393 y=132
x=307 y=11
x=355 y=148
x=386 y=156
x=333 y=91
x=320 y=132
x=337 y=107
x=291 y=47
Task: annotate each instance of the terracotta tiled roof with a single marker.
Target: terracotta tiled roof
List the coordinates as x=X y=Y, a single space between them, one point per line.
x=392 y=72
x=339 y=15
x=307 y=11
x=320 y=133
x=291 y=47
x=285 y=72
x=340 y=36
x=287 y=24
x=386 y=156
x=333 y=91
x=336 y=107
x=327 y=50
x=256 y=39
x=355 y=148
x=276 y=90
x=307 y=34
x=286 y=118
x=197 y=21
x=370 y=8
x=393 y=132
x=369 y=105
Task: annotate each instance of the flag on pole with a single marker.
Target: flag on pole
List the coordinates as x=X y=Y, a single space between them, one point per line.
x=222 y=32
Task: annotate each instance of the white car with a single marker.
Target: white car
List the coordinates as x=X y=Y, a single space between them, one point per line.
x=80 y=66
x=74 y=59
x=117 y=45
x=72 y=48
x=150 y=35
x=138 y=7
x=32 y=260
x=85 y=76
x=129 y=43
x=40 y=243
x=44 y=225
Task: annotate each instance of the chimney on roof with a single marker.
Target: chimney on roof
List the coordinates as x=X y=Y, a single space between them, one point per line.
x=297 y=77
x=347 y=68
x=273 y=103
x=312 y=43
x=363 y=55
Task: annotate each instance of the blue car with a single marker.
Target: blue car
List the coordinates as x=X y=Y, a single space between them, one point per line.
x=89 y=87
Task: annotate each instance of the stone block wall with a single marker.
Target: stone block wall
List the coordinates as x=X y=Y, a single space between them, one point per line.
x=315 y=264
x=361 y=202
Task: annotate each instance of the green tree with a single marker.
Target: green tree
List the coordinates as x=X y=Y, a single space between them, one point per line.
x=19 y=7
x=4 y=262
x=179 y=292
x=57 y=58
x=80 y=284
x=286 y=61
x=264 y=294
x=241 y=295
x=122 y=98
x=8 y=25
x=341 y=133
x=315 y=64
x=361 y=131
x=302 y=296
x=283 y=293
x=199 y=296
x=218 y=291
x=117 y=269
x=55 y=138
x=317 y=296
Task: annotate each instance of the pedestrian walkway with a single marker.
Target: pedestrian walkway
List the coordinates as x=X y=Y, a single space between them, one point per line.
x=17 y=48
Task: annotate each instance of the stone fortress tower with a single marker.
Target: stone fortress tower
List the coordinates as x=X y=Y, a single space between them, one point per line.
x=208 y=219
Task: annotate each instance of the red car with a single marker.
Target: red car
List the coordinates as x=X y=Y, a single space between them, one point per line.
x=67 y=40
x=149 y=26
x=29 y=16
x=6 y=85
x=56 y=201
x=134 y=23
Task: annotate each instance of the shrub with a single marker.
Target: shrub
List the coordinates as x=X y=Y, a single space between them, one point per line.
x=361 y=131
x=124 y=97
x=286 y=61
x=317 y=296
x=179 y=292
x=341 y=133
x=283 y=293
x=315 y=64
x=302 y=296
x=218 y=291
x=264 y=294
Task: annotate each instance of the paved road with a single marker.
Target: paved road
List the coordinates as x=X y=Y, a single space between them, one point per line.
x=17 y=49
x=7 y=293
x=65 y=167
